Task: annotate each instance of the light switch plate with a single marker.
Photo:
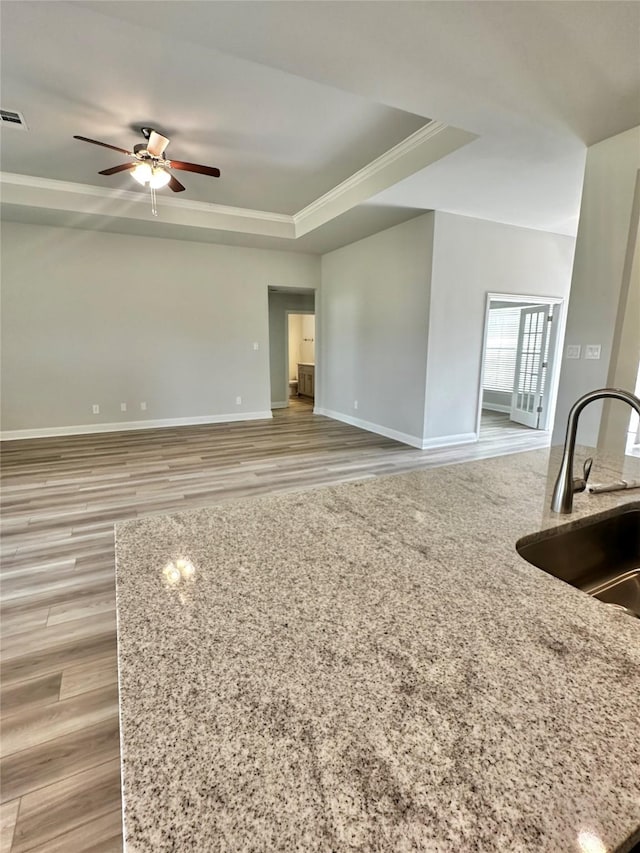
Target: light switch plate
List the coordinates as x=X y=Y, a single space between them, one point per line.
x=574 y=350
x=592 y=351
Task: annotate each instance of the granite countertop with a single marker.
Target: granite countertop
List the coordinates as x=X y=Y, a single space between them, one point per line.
x=372 y=667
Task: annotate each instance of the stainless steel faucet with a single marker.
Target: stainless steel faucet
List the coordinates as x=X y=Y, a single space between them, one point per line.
x=566 y=485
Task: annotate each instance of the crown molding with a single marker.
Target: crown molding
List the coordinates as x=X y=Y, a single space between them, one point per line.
x=418 y=138
x=141 y=197
x=419 y=150
x=428 y=144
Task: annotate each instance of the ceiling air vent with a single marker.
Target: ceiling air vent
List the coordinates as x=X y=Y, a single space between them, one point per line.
x=13 y=119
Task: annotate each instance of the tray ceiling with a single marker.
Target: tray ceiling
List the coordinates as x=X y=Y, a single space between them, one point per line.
x=290 y=100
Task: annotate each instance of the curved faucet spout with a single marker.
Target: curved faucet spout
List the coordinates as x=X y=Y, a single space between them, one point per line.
x=565 y=486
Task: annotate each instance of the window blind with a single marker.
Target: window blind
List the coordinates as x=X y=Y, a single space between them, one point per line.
x=500 y=349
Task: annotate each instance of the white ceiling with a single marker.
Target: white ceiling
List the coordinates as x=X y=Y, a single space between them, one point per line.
x=290 y=98
x=280 y=141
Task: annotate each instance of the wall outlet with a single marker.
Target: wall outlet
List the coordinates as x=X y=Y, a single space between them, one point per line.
x=123 y=407
x=238 y=401
x=256 y=345
x=592 y=351
x=355 y=404
x=95 y=409
x=574 y=351
x=143 y=407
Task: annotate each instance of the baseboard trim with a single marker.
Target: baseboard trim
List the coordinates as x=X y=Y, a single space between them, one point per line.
x=497 y=407
x=280 y=405
x=125 y=426
x=449 y=440
x=405 y=438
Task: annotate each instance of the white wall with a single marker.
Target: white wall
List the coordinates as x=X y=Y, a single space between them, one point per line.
x=598 y=289
x=295 y=340
x=91 y=317
x=374 y=319
x=625 y=355
x=279 y=305
x=618 y=420
x=307 y=353
x=473 y=257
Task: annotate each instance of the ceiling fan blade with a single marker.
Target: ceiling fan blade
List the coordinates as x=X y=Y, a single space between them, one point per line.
x=195 y=167
x=115 y=169
x=103 y=144
x=175 y=185
x=156 y=144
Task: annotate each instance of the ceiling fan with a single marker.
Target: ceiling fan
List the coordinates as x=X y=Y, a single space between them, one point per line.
x=149 y=165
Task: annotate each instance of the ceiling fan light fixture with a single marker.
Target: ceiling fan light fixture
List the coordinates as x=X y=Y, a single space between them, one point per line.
x=142 y=173
x=149 y=166
x=159 y=178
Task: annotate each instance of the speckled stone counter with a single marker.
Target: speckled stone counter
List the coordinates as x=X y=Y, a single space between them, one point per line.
x=372 y=667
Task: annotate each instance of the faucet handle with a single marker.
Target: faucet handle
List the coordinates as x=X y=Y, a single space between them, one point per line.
x=580 y=483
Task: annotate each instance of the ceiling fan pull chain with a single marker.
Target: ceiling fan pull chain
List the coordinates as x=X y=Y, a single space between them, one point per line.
x=154 y=209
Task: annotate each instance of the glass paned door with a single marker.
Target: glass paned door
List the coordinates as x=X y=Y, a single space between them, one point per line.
x=531 y=365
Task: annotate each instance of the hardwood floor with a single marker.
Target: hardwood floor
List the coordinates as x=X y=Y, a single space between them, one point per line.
x=60 y=499
x=500 y=424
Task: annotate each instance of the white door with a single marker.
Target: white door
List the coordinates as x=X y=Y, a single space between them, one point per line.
x=544 y=422
x=531 y=365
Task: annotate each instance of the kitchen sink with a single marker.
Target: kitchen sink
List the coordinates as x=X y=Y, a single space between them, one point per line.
x=623 y=590
x=599 y=555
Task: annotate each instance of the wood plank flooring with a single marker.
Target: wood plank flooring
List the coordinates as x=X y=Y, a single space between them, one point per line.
x=60 y=499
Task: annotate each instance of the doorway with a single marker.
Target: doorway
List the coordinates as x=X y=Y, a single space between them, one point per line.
x=301 y=353
x=292 y=349
x=519 y=376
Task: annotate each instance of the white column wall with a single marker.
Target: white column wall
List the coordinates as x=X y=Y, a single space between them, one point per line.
x=599 y=292
x=374 y=313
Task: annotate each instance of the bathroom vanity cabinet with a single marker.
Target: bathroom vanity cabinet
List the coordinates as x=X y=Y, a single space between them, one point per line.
x=306 y=380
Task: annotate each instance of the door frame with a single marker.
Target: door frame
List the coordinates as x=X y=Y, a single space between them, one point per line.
x=287 y=312
x=554 y=377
